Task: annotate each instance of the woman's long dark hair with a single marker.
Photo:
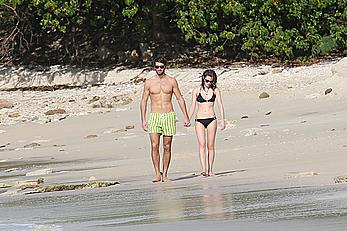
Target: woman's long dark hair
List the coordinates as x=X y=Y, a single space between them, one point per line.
x=211 y=73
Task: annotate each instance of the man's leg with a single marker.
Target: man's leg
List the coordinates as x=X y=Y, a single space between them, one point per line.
x=167 y=141
x=155 y=141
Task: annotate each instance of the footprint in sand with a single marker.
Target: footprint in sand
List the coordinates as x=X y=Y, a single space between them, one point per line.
x=128 y=136
x=301 y=174
x=251 y=131
x=229 y=124
x=229 y=173
x=115 y=130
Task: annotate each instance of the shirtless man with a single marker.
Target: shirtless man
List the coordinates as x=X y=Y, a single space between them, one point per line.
x=162 y=118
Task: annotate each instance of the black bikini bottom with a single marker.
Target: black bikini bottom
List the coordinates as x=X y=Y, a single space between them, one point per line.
x=206 y=121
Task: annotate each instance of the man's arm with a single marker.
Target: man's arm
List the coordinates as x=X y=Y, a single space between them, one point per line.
x=193 y=105
x=181 y=102
x=143 y=106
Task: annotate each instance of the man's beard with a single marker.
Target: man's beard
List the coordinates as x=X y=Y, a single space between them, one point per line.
x=160 y=73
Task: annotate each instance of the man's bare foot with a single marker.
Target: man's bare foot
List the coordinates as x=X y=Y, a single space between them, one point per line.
x=203 y=174
x=158 y=178
x=211 y=174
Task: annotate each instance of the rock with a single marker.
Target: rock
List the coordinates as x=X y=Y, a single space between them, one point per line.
x=94 y=99
x=90 y=136
x=244 y=117
x=341 y=179
x=126 y=101
x=11 y=170
x=113 y=101
x=268 y=113
x=137 y=80
x=3 y=185
x=263 y=72
x=53 y=188
x=340 y=68
x=327 y=91
x=264 y=95
x=32 y=145
x=130 y=127
x=5 y=104
x=30 y=183
x=55 y=111
x=14 y=115
x=276 y=70
x=40 y=172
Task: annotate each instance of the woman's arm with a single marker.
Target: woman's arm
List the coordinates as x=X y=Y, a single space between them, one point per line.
x=220 y=107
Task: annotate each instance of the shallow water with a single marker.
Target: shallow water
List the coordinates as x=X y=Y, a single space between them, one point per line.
x=204 y=204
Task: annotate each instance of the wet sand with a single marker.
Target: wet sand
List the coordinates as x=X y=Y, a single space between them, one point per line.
x=197 y=204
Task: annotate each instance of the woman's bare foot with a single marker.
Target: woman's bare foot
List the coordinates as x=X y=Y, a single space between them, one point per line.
x=158 y=178
x=211 y=174
x=203 y=174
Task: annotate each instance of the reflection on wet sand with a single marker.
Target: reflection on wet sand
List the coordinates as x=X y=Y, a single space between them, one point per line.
x=215 y=204
x=205 y=201
x=167 y=207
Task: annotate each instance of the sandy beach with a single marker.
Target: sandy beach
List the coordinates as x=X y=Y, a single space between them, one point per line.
x=294 y=139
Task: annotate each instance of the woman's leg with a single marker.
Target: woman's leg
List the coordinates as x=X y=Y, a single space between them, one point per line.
x=200 y=133
x=211 y=137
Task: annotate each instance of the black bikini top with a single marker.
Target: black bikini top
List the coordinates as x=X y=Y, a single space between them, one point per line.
x=200 y=99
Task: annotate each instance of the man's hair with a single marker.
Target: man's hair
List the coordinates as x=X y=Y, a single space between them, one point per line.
x=160 y=59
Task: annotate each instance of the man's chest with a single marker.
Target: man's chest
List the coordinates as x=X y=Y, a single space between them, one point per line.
x=161 y=87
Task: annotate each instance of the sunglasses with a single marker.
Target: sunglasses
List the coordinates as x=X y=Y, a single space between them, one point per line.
x=208 y=81
x=159 y=67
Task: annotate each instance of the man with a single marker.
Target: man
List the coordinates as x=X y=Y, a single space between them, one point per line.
x=162 y=118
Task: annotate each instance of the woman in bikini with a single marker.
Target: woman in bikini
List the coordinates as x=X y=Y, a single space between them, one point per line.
x=204 y=98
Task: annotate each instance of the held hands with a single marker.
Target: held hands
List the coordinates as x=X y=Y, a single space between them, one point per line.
x=186 y=122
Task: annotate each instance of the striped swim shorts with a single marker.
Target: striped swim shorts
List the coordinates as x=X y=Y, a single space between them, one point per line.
x=162 y=123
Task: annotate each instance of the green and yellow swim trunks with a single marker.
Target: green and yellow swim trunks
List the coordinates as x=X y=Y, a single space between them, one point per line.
x=162 y=123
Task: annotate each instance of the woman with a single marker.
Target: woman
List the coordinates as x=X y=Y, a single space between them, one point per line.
x=204 y=98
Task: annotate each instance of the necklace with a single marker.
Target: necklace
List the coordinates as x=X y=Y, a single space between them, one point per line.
x=206 y=92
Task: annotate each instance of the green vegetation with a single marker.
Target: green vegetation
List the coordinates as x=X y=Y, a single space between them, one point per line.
x=107 y=32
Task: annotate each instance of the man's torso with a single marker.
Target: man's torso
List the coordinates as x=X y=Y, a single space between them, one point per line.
x=160 y=92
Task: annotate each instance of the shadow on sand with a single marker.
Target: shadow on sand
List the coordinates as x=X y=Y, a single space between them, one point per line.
x=219 y=174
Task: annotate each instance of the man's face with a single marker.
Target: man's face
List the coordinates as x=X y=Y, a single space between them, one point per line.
x=159 y=68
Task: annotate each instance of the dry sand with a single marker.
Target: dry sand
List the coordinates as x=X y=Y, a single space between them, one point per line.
x=297 y=136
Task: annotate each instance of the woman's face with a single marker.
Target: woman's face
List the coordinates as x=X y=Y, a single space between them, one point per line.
x=208 y=81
